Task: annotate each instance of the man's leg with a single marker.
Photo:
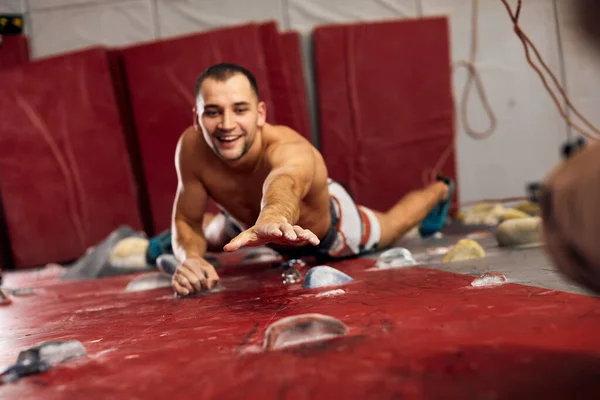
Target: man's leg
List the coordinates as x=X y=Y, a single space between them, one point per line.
x=409 y=212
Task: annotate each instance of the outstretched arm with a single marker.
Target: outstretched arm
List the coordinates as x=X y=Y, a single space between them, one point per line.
x=189 y=244
x=290 y=179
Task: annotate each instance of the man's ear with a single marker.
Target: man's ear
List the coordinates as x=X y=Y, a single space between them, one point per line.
x=196 y=122
x=262 y=113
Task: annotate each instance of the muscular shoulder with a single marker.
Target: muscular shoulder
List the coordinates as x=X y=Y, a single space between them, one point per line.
x=188 y=152
x=282 y=141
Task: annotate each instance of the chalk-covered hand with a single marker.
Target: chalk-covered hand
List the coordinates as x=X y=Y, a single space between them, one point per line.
x=264 y=232
x=194 y=275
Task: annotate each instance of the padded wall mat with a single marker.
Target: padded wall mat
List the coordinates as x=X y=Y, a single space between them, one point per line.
x=385 y=105
x=65 y=175
x=161 y=78
x=412 y=333
x=292 y=56
x=280 y=83
x=14 y=50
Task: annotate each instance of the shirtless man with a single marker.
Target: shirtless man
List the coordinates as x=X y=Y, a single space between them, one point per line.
x=272 y=185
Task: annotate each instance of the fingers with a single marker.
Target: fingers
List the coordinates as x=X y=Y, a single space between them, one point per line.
x=181 y=285
x=243 y=239
x=191 y=276
x=306 y=235
x=211 y=278
x=289 y=231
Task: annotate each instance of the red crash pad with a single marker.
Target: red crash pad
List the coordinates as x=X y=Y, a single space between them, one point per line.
x=278 y=75
x=385 y=105
x=161 y=77
x=412 y=333
x=65 y=176
x=292 y=56
x=14 y=50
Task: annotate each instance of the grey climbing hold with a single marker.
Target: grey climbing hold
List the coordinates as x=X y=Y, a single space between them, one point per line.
x=489 y=279
x=149 y=281
x=97 y=263
x=167 y=263
x=394 y=258
x=304 y=328
x=43 y=357
x=324 y=275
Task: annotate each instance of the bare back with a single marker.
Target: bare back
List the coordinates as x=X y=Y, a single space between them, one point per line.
x=239 y=189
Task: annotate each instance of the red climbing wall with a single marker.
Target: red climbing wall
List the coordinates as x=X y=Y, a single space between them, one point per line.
x=14 y=50
x=65 y=176
x=412 y=333
x=385 y=105
x=292 y=57
x=161 y=77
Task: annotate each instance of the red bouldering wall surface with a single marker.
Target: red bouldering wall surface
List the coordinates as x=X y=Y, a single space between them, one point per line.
x=413 y=333
x=14 y=50
x=66 y=178
x=161 y=77
x=385 y=105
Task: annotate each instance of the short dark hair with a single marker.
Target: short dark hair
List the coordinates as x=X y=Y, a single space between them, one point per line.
x=224 y=71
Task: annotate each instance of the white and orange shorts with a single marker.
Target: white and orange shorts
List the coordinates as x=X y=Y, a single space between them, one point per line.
x=354 y=228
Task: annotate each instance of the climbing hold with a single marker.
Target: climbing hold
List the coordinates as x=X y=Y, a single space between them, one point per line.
x=4 y=298
x=324 y=275
x=129 y=253
x=329 y=293
x=528 y=207
x=167 y=263
x=396 y=257
x=153 y=280
x=513 y=213
x=489 y=279
x=291 y=270
x=464 y=249
x=519 y=232
x=305 y=328
x=43 y=357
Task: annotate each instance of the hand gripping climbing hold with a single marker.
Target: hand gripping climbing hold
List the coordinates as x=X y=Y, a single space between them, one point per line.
x=304 y=328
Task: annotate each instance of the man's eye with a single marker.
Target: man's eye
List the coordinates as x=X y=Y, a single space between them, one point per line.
x=241 y=110
x=210 y=113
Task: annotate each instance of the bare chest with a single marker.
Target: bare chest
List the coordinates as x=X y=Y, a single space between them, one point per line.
x=240 y=196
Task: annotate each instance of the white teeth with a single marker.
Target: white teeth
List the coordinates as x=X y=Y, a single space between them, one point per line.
x=228 y=138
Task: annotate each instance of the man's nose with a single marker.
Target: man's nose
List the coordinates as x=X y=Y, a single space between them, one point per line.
x=227 y=122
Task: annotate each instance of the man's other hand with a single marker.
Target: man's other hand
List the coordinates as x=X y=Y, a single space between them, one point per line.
x=194 y=275
x=268 y=232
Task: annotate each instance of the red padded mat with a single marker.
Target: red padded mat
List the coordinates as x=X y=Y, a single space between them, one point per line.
x=14 y=50
x=385 y=105
x=292 y=56
x=65 y=175
x=413 y=333
x=161 y=78
x=278 y=75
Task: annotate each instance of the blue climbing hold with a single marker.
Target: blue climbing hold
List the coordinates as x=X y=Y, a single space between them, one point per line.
x=435 y=220
x=324 y=275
